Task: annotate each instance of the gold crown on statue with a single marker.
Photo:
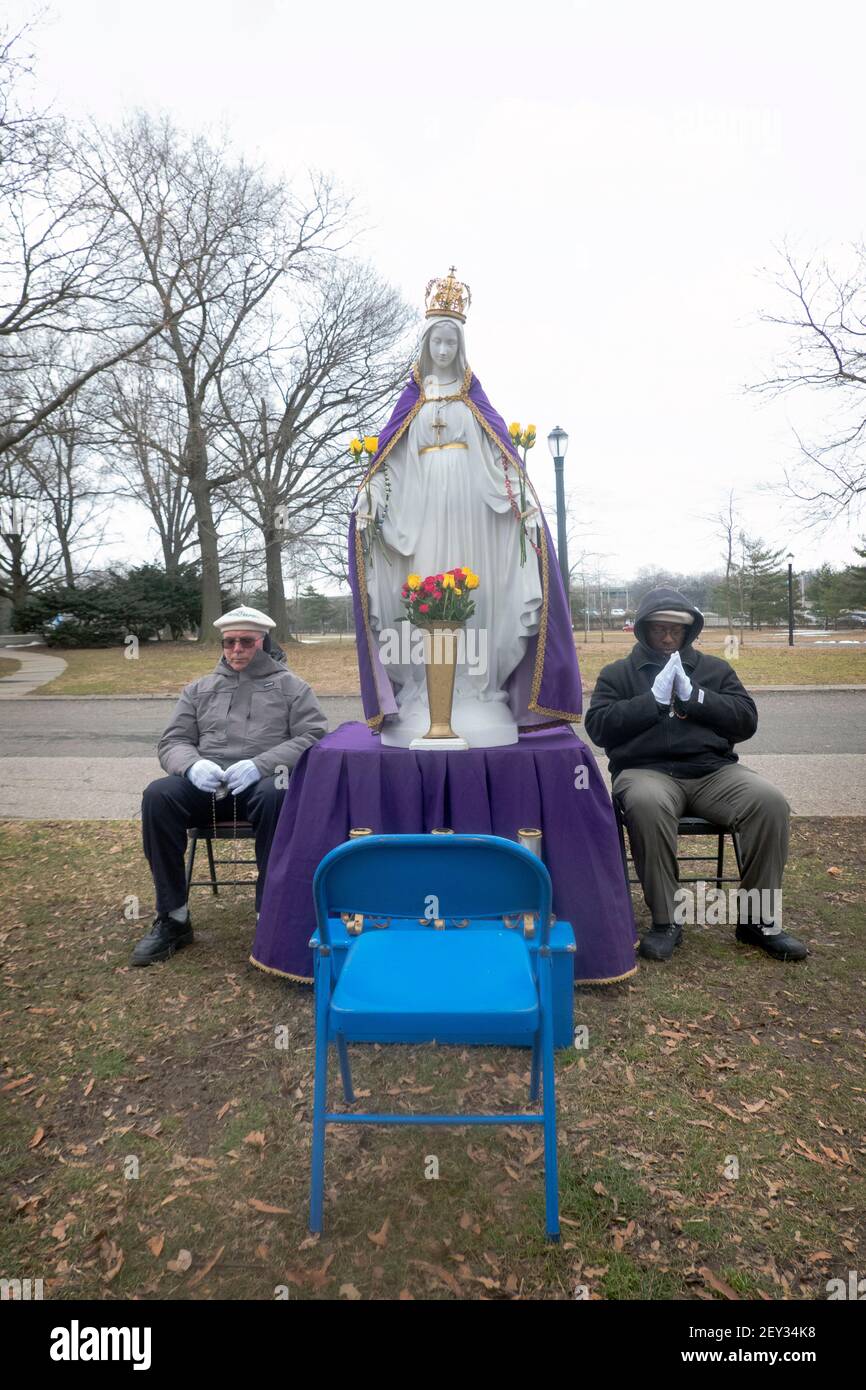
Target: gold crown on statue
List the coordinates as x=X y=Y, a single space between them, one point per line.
x=447 y=297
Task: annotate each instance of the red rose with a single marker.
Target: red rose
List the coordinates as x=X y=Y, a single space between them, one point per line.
x=439 y=578
x=437 y=593
x=413 y=598
x=423 y=608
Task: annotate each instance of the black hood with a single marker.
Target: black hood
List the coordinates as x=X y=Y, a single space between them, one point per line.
x=666 y=598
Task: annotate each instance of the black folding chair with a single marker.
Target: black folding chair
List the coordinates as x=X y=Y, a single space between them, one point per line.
x=233 y=831
x=689 y=826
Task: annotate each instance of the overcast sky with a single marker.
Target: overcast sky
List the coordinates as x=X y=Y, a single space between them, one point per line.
x=611 y=180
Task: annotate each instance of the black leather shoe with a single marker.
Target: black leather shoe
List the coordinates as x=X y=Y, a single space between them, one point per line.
x=775 y=943
x=660 y=943
x=164 y=938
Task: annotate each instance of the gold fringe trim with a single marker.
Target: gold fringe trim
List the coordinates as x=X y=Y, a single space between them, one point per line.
x=611 y=980
x=283 y=974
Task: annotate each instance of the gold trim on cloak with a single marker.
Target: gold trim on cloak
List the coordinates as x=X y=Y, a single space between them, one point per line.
x=283 y=974
x=562 y=715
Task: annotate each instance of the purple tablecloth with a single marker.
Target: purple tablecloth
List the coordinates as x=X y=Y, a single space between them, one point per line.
x=349 y=779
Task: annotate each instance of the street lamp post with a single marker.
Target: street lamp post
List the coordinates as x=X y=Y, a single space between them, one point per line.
x=790 y=600
x=557 y=442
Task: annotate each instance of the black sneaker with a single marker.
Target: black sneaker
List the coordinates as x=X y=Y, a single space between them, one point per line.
x=661 y=942
x=166 y=936
x=772 y=940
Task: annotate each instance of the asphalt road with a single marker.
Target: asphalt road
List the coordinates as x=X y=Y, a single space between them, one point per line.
x=40 y=727
x=90 y=759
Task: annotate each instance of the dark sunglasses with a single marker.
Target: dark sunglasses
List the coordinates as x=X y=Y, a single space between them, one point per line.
x=245 y=642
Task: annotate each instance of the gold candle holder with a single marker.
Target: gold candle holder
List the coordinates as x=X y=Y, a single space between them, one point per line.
x=532 y=840
x=359 y=832
x=441 y=832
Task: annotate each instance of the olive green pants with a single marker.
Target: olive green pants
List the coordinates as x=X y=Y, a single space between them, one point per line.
x=733 y=796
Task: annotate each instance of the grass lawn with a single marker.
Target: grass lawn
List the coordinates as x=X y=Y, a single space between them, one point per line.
x=331 y=668
x=8 y=666
x=197 y=1076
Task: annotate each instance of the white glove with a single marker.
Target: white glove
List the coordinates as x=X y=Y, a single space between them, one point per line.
x=682 y=684
x=242 y=775
x=205 y=775
x=663 y=685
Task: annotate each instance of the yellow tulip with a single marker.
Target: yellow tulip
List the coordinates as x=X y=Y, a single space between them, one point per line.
x=514 y=430
x=472 y=581
x=457 y=591
x=356 y=447
x=448 y=581
x=371 y=443
x=414 y=581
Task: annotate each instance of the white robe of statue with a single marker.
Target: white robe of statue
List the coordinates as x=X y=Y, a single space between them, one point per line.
x=448 y=506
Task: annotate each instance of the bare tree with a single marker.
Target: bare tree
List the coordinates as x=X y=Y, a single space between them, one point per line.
x=825 y=321
x=289 y=414
x=212 y=237
x=140 y=422
x=64 y=277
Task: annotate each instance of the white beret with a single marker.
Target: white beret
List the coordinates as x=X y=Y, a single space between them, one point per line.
x=251 y=619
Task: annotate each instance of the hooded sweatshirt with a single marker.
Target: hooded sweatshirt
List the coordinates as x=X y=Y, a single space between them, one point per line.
x=264 y=712
x=690 y=738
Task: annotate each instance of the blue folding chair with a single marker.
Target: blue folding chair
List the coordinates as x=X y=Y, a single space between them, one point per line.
x=465 y=975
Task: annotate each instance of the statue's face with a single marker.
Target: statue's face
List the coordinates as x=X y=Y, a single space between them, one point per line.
x=442 y=345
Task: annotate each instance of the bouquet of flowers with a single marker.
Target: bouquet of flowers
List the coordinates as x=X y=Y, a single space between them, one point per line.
x=440 y=597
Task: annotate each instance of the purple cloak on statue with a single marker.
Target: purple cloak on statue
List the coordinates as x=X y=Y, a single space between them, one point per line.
x=545 y=688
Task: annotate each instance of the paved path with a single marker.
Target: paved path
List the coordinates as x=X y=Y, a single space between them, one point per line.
x=35 y=670
x=90 y=759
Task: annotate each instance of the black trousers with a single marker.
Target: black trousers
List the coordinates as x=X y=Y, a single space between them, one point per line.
x=171 y=805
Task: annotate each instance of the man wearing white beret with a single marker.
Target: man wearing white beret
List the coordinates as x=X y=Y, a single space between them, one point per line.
x=234 y=738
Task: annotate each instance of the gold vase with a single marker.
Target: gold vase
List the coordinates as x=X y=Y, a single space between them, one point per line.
x=440 y=665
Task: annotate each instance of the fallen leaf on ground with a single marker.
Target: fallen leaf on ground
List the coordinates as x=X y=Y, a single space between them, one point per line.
x=155 y=1245
x=714 y=1282
x=37 y=1138
x=197 y=1278
x=267 y=1208
x=380 y=1237
x=349 y=1291
x=182 y=1263
x=255 y=1136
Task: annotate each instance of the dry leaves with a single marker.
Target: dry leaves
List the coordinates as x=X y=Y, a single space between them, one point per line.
x=202 y=1273
x=379 y=1237
x=181 y=1263
x=714 y=1282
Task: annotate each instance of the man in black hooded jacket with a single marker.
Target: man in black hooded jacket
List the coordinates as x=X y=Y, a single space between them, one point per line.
x=668 y=718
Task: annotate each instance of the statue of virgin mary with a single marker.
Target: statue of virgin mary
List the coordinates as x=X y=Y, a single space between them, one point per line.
x=444 y=490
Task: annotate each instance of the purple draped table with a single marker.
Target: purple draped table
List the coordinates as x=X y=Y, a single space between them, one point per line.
x=549 y=780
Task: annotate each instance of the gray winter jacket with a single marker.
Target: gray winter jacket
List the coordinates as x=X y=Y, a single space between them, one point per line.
x=264 y=712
